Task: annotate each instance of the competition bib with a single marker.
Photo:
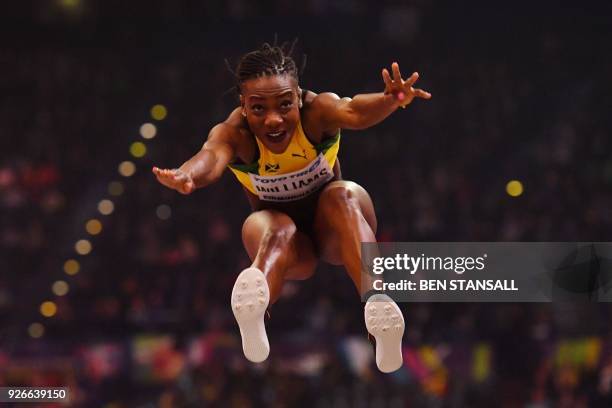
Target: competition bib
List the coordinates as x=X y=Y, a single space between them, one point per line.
x=295 y=185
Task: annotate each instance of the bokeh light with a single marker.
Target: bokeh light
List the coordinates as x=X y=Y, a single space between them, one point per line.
x=148 y=131
x=71 y=267
x=48 y=309
x=83 y=247
x=36 y=330
x=115 y=188
x=106 y=207
x=138 y=149
x=60 y=288
x=514 y=188
x=159 y=112
x=93 y=226
x=163 y=212
x=127 y=168
x=70 y=4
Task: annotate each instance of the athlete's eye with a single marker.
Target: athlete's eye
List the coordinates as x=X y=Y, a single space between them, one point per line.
x=257 y=108
x=286 y=104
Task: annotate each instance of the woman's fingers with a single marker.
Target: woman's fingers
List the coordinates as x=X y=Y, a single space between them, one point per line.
x=413 y=78
x=397 y=75
x=402 y=89
x=166 y=173
x=175 y=179
x=421 y=93
x=387 y=79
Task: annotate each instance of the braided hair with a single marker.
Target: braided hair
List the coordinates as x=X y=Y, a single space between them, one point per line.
x=268 y=60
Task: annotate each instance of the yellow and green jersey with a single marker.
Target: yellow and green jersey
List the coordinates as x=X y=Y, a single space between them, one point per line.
x=300 y=170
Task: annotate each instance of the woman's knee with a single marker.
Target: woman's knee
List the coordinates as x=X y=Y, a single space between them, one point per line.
x=267 y=228
x=346 y=198
x=338 y=197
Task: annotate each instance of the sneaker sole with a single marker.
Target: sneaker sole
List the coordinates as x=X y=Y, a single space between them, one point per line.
x=385 y=322
x=250 y=298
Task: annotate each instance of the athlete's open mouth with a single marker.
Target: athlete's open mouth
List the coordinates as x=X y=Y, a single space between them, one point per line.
x=276 y=136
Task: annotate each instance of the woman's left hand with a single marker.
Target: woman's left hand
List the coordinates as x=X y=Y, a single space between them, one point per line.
x=402 y=90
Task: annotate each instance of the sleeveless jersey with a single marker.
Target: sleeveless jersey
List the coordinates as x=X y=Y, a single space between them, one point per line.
x=300 y=170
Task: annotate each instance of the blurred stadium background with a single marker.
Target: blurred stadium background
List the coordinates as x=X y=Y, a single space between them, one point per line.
x=119 y=289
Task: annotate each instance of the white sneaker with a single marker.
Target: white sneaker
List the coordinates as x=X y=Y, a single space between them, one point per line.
x=385 y=322
x=250 y=298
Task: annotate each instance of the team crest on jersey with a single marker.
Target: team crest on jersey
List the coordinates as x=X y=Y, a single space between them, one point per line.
x=272 y=168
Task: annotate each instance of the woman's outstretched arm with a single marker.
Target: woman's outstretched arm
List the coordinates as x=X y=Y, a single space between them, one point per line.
x=365 y=110
x=206 y=166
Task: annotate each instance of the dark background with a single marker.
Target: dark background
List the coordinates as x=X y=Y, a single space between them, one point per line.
x=520 y=91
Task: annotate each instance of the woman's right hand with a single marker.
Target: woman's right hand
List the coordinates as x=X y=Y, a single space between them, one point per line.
x=175 y=179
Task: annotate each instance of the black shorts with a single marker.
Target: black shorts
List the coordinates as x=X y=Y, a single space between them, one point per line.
x=302 y=212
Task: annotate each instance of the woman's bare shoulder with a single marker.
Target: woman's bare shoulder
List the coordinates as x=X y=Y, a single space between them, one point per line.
x=312 y=114
x=237 y=133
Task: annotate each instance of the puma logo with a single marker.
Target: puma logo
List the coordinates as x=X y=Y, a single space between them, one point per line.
x=303 y=156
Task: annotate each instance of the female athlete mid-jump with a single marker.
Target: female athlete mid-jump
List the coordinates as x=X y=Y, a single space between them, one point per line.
x=281 y=143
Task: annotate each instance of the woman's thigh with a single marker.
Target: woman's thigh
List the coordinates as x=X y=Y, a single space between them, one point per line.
x=272 y=222
x=337 y=199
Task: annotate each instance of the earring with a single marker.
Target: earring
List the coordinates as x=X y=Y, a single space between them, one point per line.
x=244 y=113
x=300 y=104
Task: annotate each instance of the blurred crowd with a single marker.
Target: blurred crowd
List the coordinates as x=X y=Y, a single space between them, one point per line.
x=147 y=322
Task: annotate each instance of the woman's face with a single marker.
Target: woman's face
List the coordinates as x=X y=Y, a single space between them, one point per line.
x=272 y=109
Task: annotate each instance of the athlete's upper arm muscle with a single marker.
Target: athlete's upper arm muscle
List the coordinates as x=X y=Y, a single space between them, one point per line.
x=335 y=112
x=221 y=142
